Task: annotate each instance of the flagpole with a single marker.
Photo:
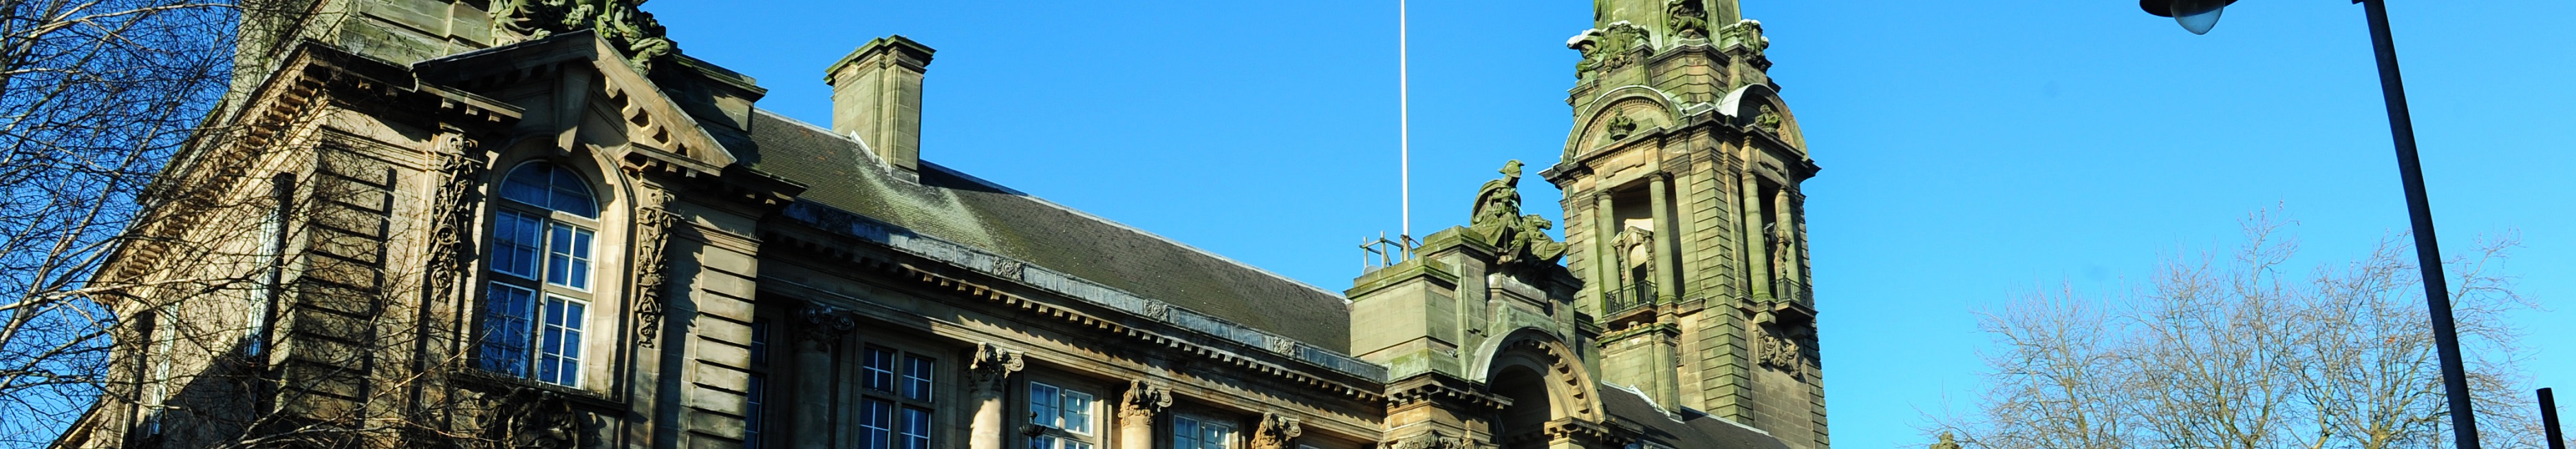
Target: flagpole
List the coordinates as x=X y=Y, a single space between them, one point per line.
x=1404 y=122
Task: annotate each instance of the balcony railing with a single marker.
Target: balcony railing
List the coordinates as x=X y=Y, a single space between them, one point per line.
x=1790 y=290
x=1626 y=298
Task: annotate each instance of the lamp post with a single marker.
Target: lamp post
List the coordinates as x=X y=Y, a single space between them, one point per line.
x=2198 y=16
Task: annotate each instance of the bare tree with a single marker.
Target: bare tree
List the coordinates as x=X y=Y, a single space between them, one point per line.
x=95 y=98
x=2236 y=354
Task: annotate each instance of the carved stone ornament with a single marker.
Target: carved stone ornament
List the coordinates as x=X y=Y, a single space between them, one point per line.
x=990 y=365
x=1688 y=18
x=1747 y=32
x=1607 y=48
x=1144 y=400
x=1276 y=431
x=1767 y=119
x=1620 y=127
x=1428 y=440
x=452 y=246
x=1497 y=218
x=623 y=23
x=1947 y=442
x=533 y=418
x=1789 y=353
x=825 y=325
x=653 y=222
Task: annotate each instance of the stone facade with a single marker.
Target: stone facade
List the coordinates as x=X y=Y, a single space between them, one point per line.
x=536 y=223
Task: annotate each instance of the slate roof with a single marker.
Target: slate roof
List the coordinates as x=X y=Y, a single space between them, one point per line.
x=841 y=174
x=1688 y=429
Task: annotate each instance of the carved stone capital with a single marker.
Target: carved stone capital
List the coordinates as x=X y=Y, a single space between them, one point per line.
x=1276 y=431
x=826 y=325
x=1144 y=400
x=990 y=365
x=1427 y=440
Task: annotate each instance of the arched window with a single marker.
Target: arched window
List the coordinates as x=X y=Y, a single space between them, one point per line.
x=543 y=234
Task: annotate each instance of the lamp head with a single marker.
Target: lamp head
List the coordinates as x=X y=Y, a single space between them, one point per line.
x=2196 y=16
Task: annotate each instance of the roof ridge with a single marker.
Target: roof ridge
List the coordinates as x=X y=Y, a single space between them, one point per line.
x=1075 y=212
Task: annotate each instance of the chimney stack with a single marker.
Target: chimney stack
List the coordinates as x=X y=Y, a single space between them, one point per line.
x=876 y=95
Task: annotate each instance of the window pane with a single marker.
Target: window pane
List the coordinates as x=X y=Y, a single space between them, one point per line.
x=916 y=378
x=1216 y=435
x=877 y=370
x=1042 y=410
x=506 y=317
x=559 y=352
x=1071 y=444
x=916 y=428
x=572 y=195
x=1077 y=412
x=876 y=425
x=1041 y=442
x=515 y=250
x=753 y=405
x=1185 y=433
x=568 y=256
x=528 y=184
x=759 y=343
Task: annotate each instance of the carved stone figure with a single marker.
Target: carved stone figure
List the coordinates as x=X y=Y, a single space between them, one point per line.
x=623 y=23
x=1947 y=442
x=1688 y=18
x=1497 y=218
x=1276 y=432
x=1767 y=119
x=451 y=239
x=1609 y=47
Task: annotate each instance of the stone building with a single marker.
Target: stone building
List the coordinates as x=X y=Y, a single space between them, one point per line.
x=536 y=223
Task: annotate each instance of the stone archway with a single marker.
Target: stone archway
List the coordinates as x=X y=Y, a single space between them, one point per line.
x=1547 y=385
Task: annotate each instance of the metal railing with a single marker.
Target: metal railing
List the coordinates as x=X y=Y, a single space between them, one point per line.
x=1628 y=297
x=1791 y=290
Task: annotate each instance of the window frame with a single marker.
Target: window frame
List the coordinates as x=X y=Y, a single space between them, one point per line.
x=1199 y=421
x=1096 y=434
x=546 y=298
x=904 y=408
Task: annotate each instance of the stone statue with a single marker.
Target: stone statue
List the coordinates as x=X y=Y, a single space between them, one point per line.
x=1497 y=221
x=1947 y=442
x=622 y=22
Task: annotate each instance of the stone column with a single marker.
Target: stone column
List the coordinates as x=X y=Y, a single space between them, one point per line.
x=1666 y=288
x=1605 y=229
x=988 y=373
x=823 y=327
x=1757 y=257
x=1136 y=414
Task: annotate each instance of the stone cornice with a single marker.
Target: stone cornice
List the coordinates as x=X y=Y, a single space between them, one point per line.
x=1439 y=389
x=1221 y=341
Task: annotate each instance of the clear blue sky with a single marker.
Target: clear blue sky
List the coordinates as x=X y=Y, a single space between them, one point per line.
x=1971 y=151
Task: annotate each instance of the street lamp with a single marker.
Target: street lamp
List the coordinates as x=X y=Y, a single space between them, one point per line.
x=2198 y=16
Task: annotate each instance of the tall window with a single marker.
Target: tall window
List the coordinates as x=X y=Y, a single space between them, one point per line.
x=1065 y=415
x=755 y=414
x=1195 y=432
x=535 y=307
x=895 y=410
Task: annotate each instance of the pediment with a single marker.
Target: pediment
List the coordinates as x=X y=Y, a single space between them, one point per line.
x=1619 y=115
x=580 y=91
